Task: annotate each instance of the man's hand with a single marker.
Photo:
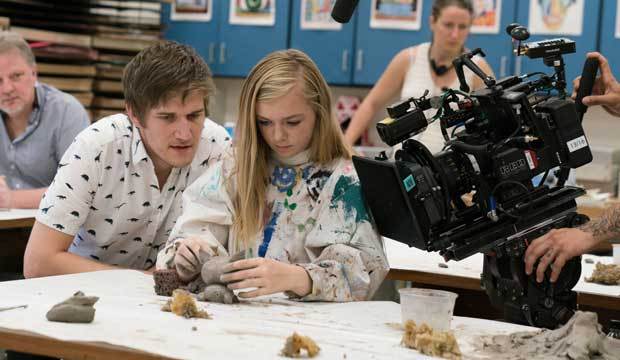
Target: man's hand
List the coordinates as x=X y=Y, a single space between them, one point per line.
x=555 y=248
x=268 y=276
x=189 y=257
x=606 y=90
x=5 y=194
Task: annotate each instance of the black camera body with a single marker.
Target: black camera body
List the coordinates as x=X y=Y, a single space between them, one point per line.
x=498 y=140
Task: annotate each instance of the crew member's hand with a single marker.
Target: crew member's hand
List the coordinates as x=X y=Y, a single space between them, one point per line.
x=268 y=276
x=606 y=90
x=555 y=248
x=190 y=256
x=5 y=194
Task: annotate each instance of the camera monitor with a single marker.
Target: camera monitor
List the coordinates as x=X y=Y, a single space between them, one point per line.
x=383 y=189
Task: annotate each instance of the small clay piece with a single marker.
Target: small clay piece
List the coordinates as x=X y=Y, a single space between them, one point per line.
x=214 y=267
x=605 y=274
x=430 y=342
x=196 y=286
x=218 y=293
x=208 y=285
x=295 y=343
x=13 y=307
x=580 y=338
x=76 y=309
x=589 y=261
x=183 y=304
x=442 y=265
x=166 y=281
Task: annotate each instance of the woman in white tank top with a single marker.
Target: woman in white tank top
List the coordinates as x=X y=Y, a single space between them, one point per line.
x=418 y=79
x=427 y=66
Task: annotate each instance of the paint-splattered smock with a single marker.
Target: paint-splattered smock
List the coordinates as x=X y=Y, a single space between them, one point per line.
x=315 y=218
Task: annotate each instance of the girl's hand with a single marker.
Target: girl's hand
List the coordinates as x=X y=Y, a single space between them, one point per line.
x=268 y=276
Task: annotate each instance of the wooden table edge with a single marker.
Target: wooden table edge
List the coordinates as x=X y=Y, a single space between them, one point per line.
x=17 y=223
x=434 y=279
x=29 y=342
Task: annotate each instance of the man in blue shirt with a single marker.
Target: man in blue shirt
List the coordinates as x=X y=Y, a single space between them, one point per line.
x=39 y=122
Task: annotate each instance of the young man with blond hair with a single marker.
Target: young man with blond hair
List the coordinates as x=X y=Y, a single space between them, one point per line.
x=118 y=190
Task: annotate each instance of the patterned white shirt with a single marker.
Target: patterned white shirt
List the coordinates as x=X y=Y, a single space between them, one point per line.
x=106 y=193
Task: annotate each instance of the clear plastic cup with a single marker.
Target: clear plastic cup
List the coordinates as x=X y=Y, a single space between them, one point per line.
x=433 y=307
x=616 y=252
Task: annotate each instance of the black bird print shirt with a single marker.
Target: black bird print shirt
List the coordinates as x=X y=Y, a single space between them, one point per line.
x=106 y=194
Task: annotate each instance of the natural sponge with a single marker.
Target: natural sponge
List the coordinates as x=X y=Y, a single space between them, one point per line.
x=166 y=281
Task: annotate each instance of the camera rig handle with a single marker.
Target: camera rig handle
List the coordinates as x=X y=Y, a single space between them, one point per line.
x=465 y=60
x=586 y=83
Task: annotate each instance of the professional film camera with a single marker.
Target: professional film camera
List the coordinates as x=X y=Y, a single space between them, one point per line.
x=499 y=142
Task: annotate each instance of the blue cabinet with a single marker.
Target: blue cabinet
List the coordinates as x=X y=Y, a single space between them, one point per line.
x=498 y=47
x=230 y=49
x=585 y=42
x=331 y=50
x=241 y=46
x=609 y=43
x=375 y=48
x=201 y=35
x=358 y=54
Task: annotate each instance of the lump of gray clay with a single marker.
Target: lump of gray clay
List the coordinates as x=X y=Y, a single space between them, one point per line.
x=218 y=293
x=214 y=268
x=76 y=309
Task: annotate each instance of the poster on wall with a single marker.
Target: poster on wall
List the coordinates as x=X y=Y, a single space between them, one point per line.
x=551 y=17
x=396 y=14
x=316 y=15
x=253 y=12
x=487 y=16
x=618 y=19
x=192 y=10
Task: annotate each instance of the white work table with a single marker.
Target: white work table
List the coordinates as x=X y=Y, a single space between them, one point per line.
x=129 y=324
x=423 y=267
x=17 y=218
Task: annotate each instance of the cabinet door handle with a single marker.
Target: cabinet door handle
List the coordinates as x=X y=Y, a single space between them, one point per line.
x=223 y=53
x=211 y=53
x=359 y=60
x=518 y=66
x=502 y=66
x=345 y=60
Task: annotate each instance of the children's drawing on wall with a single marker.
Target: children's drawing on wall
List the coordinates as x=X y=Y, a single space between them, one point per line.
x=316 y=15
x=562 y=17
x=396 y=14
x=487 y=16
x=618 y=19
x=253 y=12
x=191 y=10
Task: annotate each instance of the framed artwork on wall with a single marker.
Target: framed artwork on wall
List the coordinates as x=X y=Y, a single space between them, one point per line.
x=487 y=15
x=253 y=12
x=191 y=10
x=316 y=15
x=396 y=14
x=556 y=17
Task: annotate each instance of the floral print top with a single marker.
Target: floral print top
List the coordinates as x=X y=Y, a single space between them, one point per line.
x=315 y=217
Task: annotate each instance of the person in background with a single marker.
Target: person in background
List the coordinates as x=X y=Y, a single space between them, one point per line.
x=39 y=122
x=117 y=193
x=427 y=66
x=560 y=245
x=290 y=198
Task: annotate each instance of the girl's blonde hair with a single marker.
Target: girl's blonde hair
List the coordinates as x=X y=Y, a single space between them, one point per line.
x=273 y=77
